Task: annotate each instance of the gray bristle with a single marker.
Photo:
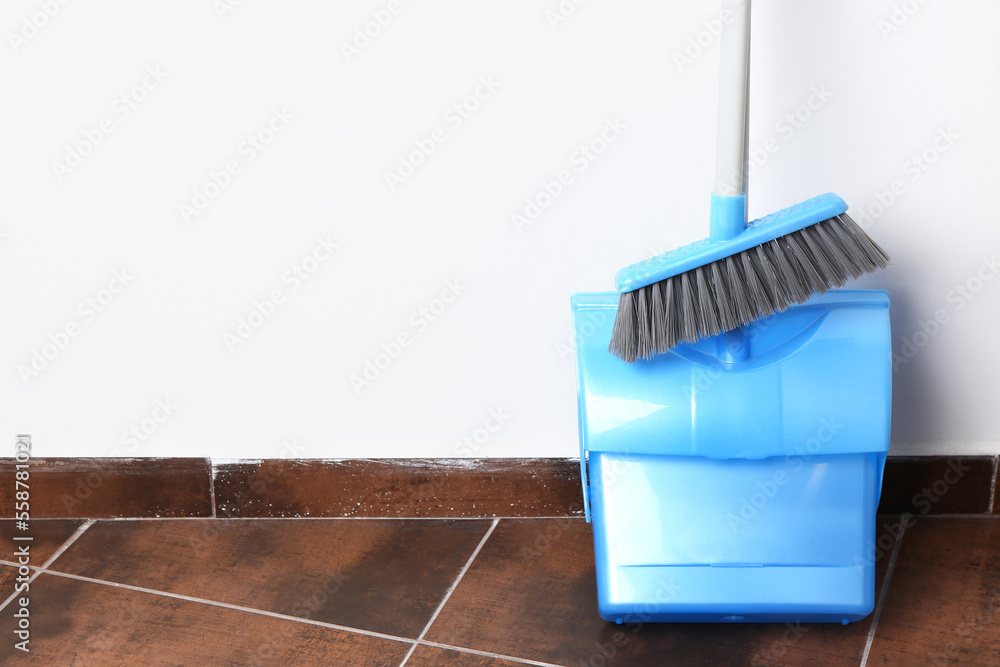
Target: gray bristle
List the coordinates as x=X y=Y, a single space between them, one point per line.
x=844 y=262
x=644 y=312
x=670 y=306
x=862 y=241
x=737 y=290
x=687 y=309
x=796 y=284
x=624 y=336
x=708 y=316
x=832 y=274
x=782 y=271
x=724 y=302
x=799 y=253
x=658 y=315
x=858 y=259
x=760 y=306
x=780 y=296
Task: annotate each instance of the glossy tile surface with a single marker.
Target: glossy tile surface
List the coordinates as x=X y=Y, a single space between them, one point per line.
x=83 y=623
x=47 y=535
x=382 y=575
x=943 y=605
x=531 y=593
x=410 y=488
x=113 y=487
x=930 y=485
x=406 y=488
x=512 y=592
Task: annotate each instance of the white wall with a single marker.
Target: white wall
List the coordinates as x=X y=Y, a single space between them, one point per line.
x=502 y=344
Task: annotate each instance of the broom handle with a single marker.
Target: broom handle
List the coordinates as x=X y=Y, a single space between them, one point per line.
x=729 y=197
x=729 y=200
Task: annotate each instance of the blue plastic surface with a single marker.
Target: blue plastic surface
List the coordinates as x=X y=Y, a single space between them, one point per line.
x=709 y=250
x=728 y=217
x=741 y=490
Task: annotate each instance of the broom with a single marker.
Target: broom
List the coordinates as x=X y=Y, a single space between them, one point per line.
x=744 y=271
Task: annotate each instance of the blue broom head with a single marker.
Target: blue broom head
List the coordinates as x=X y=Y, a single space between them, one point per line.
x=700 y=253
x=740 y=274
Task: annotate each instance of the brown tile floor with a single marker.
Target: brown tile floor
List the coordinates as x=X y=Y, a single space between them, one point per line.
x=469 y=593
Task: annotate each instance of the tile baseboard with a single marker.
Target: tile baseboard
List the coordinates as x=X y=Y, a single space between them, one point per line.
x=405 y=488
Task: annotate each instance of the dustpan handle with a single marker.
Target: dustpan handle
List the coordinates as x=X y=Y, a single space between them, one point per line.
x=729 y=197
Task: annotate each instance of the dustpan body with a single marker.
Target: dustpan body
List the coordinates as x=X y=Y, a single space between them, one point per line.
x=738 y=491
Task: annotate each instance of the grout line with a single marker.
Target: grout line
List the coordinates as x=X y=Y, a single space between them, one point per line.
x=882 y=595
x=226 y=605
x=211 y=485
x=993 y=486
x=451 y=590
x=39 y=569
x=68 y=543
x=3 y=605
x=950 y=515
x=570 y=517
x=499 y=656
x=932 y=517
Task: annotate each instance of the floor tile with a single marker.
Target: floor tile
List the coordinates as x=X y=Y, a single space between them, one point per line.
x=531 y=593
x=114 y=487
x=432 y=656
x=83 y=623
x=384 y=575
x=937 y=485
x=943 y=604
x=996 y=491
x=48 y=535
x=409 y=488
x=8 y=577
